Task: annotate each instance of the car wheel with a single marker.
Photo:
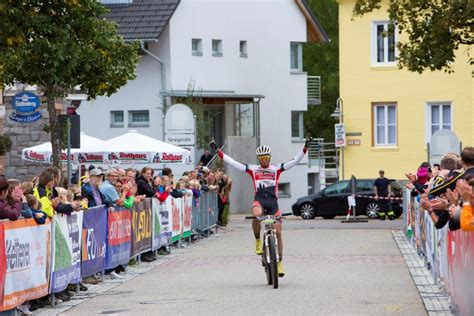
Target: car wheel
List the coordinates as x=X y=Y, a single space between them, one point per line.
x=372 y=209
x=329 y=216
x=307 y=211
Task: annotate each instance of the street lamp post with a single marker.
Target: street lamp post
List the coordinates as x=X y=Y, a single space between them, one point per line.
x=338 y=113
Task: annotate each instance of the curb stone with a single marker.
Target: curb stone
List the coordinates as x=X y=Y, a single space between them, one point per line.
x=436 y=301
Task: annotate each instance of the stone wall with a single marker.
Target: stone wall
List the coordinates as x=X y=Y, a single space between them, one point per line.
x=22 y=136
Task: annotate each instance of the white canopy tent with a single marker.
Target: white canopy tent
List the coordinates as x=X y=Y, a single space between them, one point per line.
x=133 y=148
x=43 y=152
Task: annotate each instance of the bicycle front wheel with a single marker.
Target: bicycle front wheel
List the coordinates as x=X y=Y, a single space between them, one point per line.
x=266 y=265
x=273 y=260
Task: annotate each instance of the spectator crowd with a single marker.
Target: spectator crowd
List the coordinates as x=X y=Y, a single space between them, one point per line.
x=48 y=194
x=445 y=190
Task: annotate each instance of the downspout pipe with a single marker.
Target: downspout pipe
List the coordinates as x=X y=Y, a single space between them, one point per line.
x=163 y=82
x=156 y=58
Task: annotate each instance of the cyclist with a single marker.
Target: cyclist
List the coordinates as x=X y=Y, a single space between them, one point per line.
x=265 y=182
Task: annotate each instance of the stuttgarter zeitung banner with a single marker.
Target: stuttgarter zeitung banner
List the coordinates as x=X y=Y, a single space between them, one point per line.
x=28 y=250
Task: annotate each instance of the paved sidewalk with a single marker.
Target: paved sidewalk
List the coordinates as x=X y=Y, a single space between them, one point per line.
x=436 y=302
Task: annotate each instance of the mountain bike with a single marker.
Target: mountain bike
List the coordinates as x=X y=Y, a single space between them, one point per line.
x=270 y=246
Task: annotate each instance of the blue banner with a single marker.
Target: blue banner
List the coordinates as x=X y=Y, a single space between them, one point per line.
x=119 y=237
x=94 y=239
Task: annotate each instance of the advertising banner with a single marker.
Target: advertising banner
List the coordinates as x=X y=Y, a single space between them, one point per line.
x=450 y=254
x=141 y=227
x=119 y=237
x=461 y=270
x=67 y=251
x=187 y=214
x=25 y=259
x=94 y=240
x=161 y=224
x=176 y=219
x=3 y=262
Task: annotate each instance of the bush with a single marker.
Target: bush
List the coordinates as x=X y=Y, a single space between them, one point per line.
x=5 y=144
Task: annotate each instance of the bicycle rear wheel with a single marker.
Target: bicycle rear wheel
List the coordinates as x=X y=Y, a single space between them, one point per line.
x=273 y=260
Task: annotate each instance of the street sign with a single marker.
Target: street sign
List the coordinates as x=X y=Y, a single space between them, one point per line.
x=340 y=134
x=181 y=139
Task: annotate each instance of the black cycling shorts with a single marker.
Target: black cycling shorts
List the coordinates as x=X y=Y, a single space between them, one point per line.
x=268 y=203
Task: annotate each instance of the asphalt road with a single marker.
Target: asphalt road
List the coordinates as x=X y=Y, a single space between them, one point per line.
x=332 y=268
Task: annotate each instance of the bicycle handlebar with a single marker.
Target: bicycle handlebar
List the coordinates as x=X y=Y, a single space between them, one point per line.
x=263 y=216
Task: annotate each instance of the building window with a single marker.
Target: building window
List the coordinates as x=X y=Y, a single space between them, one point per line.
x=284 y=190
x=385 y=125
x=296 y=57
x=116 y=119
x=439 y=117
x=217 y=48
x=297 y=125
x=138 y=119
x=383 y=43
x=243 y=49
x=196 y=45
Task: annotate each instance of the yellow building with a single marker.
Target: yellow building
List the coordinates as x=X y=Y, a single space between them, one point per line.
x=391 y=113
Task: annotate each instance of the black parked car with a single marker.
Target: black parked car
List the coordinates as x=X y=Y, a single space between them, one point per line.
x=332 y=201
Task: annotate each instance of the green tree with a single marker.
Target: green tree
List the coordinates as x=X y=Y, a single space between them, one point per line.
x=435 y=30
x=323 y=59
x=58 y=45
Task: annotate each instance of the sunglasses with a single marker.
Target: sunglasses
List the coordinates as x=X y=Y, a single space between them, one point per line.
x=263 y=157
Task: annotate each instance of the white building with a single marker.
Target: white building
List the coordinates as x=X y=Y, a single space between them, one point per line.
x=245 y=59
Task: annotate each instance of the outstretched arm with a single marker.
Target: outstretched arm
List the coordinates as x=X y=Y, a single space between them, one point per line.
x=298 y=157
x=293 y=162
x=237 y=165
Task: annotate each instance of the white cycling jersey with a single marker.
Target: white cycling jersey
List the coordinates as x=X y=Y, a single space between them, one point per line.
x=265 y=180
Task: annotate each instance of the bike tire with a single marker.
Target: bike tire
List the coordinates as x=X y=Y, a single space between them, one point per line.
x=266 y=265
x=273 y=260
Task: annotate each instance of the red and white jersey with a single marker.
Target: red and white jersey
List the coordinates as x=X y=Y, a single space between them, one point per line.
x=265 y=180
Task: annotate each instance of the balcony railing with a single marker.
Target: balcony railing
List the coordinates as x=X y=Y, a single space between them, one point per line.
x=314 y=90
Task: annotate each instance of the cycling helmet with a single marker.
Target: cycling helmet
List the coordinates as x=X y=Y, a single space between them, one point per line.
x=263 y=151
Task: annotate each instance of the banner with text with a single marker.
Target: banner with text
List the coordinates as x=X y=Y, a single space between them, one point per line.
x=3 y=261
x=176 y=219
x=94 y=240
x=187 y=216
x=67 y=251
x=161 y=223
x=25 y=260
x=141 y=227
x=119 y=237
x=449 y=253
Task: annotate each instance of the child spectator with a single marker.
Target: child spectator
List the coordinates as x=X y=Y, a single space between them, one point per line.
x=62 y=205
x=35 y=208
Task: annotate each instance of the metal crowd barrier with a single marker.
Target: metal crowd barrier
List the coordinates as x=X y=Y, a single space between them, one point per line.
x=204 y=215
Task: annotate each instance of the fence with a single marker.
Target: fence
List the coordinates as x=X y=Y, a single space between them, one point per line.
x=37 y=260
x=448 y=254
